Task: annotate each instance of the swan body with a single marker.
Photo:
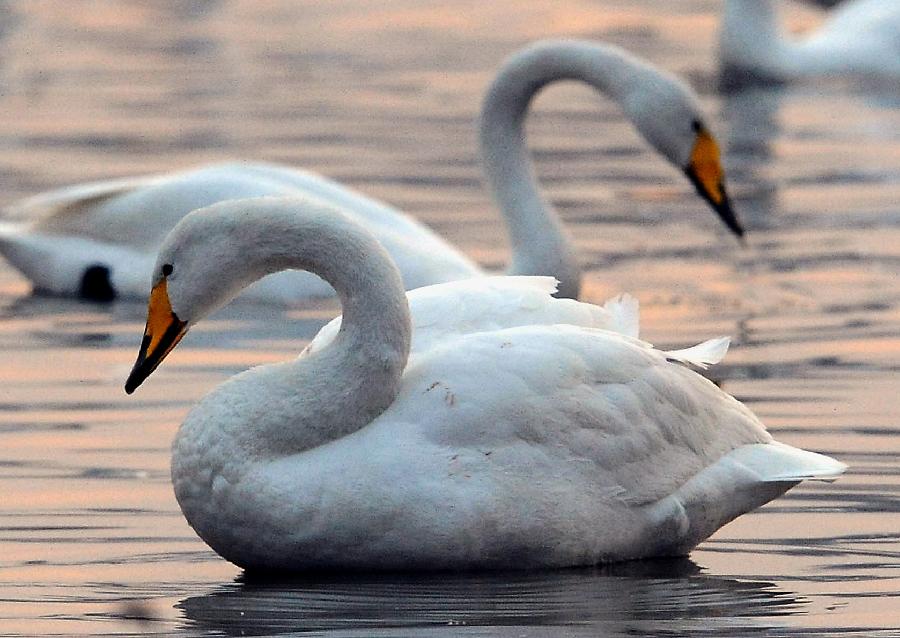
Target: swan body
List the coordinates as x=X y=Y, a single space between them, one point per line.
x=860 y=37
x=99 y=240
x=516 y=432
x=71 y=231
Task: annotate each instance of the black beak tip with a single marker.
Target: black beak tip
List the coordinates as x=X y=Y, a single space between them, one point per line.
x=734 y=225
x=134 y=379
x=727 y=214
x=148 y=360
x=723 y=208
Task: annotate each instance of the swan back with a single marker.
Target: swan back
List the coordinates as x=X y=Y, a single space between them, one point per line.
x=858 y=38
x=482 y=304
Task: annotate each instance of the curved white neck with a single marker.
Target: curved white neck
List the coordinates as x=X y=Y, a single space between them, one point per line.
x=540 y=245
x=308 y=401
x=752 y=40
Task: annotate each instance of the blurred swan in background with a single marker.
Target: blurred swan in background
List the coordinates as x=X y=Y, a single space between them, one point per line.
x=519 y=435
x=99 y=240
x=859 y=37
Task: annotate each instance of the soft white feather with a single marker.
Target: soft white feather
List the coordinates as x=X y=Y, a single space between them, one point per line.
x=491 y=303
x=703 y=354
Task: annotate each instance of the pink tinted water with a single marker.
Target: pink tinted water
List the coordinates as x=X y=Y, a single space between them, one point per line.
x=383 y=96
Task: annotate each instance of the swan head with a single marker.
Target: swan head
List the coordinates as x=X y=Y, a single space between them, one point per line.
x=163 y=332
x=704 y=169
x=669 y=118
x=202 y=265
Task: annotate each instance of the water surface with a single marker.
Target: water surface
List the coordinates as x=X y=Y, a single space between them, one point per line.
x=383 y=96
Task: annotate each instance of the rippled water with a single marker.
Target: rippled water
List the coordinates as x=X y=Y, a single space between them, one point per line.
x=383 y=96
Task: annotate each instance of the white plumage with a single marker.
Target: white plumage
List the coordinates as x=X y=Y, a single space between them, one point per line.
x=859 y=37
x=105 y=235
x=514 y=431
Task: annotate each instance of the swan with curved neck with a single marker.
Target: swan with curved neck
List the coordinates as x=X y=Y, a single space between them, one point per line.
x=660 y=106
x=99 y=239
x=522 y=436
x=860 y=37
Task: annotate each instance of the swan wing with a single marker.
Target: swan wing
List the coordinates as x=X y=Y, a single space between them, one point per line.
x=636 y=424
x=527 y=446
x=863 y=18
x=60 y=207
x=160 y=201
x=140 y=211
x=859 y=36
x=491 y=303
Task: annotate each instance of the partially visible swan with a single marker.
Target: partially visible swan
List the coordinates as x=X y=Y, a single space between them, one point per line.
x=860 y=37
x=99 y=240
x=498 y=442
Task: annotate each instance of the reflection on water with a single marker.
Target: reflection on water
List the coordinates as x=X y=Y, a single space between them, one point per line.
x=383 y=96
x=650 y=599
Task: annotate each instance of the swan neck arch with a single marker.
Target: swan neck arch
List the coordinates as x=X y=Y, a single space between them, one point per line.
x=278 y=410
x=540 y=245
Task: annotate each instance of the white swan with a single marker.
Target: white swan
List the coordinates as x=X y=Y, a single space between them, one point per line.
x=99 y=240
x=860 y=37
x=507 y=438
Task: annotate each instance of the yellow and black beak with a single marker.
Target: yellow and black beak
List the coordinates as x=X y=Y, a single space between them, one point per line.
x=163 y=332
x=705 y=172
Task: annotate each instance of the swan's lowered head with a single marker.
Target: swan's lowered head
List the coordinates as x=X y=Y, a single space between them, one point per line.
x=666 y=113
x=661 y=107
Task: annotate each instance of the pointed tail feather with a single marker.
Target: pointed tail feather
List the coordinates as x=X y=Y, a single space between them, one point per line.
x=777 y=462
x=703 y=354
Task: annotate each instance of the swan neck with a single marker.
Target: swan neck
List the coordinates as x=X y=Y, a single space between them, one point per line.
x=344 y=386
x=752 y=40
x=540 y=245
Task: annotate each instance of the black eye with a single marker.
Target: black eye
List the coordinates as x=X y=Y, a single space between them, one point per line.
x=696 y=125
x=167 y=270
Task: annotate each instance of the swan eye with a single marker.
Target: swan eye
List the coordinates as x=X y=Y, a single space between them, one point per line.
x=167 y=270
x=696 y=126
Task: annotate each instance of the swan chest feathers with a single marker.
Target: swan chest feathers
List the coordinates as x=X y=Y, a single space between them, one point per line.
x=537 y=445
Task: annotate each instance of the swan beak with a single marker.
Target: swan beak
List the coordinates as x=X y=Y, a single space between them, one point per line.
x=706 y=174
x=163 y=332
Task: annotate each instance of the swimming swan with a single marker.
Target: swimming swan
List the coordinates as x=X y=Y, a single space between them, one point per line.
x=860 y=37
x=99 y=240
x=505 y=438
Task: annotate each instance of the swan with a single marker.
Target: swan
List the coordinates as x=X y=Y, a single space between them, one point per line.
x=860 y=37
x=519 y=434
x=99 y=240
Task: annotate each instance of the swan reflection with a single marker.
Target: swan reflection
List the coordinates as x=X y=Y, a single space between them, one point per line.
x=636 y=598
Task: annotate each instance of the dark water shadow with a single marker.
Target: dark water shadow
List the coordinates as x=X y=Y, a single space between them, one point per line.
x=651 y=598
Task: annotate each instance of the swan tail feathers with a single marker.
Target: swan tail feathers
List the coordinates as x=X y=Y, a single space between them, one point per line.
x=745 y=478
x=624 y=312
x=702 y=355
x=47 y=209
x=776 y=463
